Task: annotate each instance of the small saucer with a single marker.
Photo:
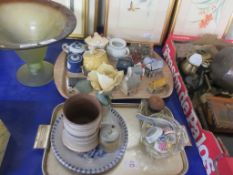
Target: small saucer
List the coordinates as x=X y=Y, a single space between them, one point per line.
x=92 y=162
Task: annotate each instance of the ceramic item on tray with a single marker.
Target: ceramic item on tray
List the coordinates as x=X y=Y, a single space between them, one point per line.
x=157 y=84
x=124 y=63
x=83 y=86
x=222 y=69
x=131 y=81
x=117 y=48
x=96 y=42
x=109 y=137
x=105 y=78
x=153 y=66
x=75 y=48
x=94 y=161
x=104 y=98
x=81 y=119
x=74 y=63
x=93 y=59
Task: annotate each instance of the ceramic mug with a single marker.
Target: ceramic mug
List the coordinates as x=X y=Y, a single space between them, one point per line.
x=117 y=48
x=82 y=117
x=75 y=48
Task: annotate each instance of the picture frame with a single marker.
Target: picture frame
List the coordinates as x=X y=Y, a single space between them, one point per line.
x=80 y=9
x=92 y=16
x=137 y=20
x=228 y=35
x=199 y=17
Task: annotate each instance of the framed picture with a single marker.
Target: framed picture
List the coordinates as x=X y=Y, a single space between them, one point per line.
x=80 y=9
x=143 y=21
x=198 y=17
x=229 y=30
x=92 y=16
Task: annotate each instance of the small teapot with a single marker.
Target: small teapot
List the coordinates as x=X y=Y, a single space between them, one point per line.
x=74 y=48
x=117 y=48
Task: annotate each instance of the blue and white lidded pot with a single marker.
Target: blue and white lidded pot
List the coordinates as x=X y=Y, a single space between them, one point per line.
x=74 y=63
x=75 y=48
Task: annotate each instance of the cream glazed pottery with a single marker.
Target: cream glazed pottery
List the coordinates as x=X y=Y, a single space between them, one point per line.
x=117 y=48
x=96 y=42
x=81 y=122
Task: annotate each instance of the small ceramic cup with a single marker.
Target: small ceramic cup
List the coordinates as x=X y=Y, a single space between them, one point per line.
x=117 y=48
x=74 y=48
x=82 y=117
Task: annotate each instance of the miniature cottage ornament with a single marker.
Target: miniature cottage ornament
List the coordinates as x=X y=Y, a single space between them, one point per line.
x=152 y=66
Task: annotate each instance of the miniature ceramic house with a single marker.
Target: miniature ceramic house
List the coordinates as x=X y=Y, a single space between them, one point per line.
x=152 y=66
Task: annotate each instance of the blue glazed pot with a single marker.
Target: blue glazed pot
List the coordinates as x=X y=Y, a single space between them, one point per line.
x=74 y=63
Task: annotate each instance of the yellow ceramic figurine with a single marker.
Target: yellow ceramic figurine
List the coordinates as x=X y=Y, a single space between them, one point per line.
x=96 y=42
x=105 y=78
x=92 y=59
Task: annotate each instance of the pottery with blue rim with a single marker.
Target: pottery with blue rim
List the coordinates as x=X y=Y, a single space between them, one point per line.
x=92 y=162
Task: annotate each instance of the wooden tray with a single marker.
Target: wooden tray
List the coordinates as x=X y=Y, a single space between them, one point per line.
x=142 y=93
x=134 y=162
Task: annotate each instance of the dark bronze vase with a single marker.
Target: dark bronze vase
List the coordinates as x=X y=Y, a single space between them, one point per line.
x=222 y=69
